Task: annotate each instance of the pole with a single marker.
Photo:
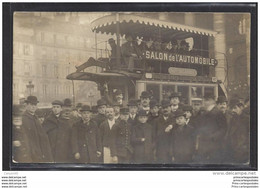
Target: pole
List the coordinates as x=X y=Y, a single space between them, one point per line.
x=117 y=41
x=73 y=94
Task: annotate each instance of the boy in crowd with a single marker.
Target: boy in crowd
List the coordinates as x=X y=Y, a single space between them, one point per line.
x=85 y=139
x=142 y=140
x=182 y=140
x=123 y=147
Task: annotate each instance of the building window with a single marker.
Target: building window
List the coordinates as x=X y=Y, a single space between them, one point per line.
x=44 y=70
x=55 y=56
x=44 y=90
x=66 y=40
x=56 y=90
x=54 y=38
x=27 y=69
x=42 y=37
x=44 y=53
x=56 y=70
x=67 y=70
x=242 y=27
x=26 y=49
x=68 y=89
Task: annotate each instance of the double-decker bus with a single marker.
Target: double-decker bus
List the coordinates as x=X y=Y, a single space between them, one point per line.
x=160 y=69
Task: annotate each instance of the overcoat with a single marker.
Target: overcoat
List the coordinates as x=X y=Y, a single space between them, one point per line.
x=59 y=134
x=143 y=150
x=99 y=118
x=86 y=141
x=39 y=146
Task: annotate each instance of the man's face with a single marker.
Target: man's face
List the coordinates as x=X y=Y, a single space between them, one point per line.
x=236 y=110
x=17 y=120
x=116 y=110
x=86 y=115
x=124 y=117
x=56 y=109
x=41 y=119
x=222 y=107
x=175 y=100
x=142 y=119
x=145 y=101
x=31 y=108
x=132 y=109
x=154 y=110
x=110 y=113
x=188 y=114
x=196 y=106
x=74 y=113
x=181 y=120
x=166 y=110
x=102 y=109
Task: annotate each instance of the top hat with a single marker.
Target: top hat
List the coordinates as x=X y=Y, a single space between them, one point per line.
x=32 y=100
x=165 y=103
x=175 y=94
x=145 y=94
x=221 y=99
x=187 y=108
x=124 y=111
x=233 y=102
x=179 y=113
x=142 y=113
x=67 y=102
x=101 y=102
x=153 y=103
x=17 y=110
x=57 y=102
x=85 y=108
x=132 y=102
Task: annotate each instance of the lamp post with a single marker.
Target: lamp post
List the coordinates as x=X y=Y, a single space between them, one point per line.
x=30 y=87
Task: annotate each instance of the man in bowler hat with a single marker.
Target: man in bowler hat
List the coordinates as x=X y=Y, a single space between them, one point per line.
x=145 y=101
x=175 y=98
x=101 y=116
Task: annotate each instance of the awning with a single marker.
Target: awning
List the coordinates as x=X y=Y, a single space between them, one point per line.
x=144 y=26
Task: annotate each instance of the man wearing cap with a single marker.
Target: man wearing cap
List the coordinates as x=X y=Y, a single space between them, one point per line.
x=20 y=142
x=101 y=116
x=145 y=101
x=123 y=147
x=59 y=133
x=142 y=140
x=133 y=108
x=86 y=140
x=175 y=101
x=39 y=146
x=163 y=127
x=182 y=140
x=210 y=133
x=238 y=135
x=67 y=111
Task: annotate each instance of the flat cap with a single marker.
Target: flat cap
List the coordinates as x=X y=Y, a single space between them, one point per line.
x=85 y=108
x=57 y=102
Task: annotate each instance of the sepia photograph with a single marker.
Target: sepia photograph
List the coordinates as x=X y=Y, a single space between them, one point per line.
x=93 y=88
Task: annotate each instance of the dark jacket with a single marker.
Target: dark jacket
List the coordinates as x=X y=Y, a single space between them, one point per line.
x=99 y=118
x=39 y=145
x=86 y=141
x=162 y=139
x=182 y=144
x=131 y=121
x=123 y=146
x=143 y=150
x=59 y=133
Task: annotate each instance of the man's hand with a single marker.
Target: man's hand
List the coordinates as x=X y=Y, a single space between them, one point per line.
x=142 y=139
x=98 y=154
x=77 y=156
x=168 y=128
x=115 y=159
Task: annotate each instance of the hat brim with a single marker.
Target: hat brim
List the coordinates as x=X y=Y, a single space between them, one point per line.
x=32 y=102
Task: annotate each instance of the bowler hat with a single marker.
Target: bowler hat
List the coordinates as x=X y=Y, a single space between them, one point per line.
x=233 y=102
x=221 y=99
x=17 y=110
x=57 y=102
x=116 y=104
x=165 y=103
x=67 y=102
x=145 y=94
x=32 y=100
x=142 y=113
x=153 y=103
x=111 y=40
x=132 y=102
x=101 y=102
x=175 y=94
x=79 y=105
x=94 y=109
x=118 y=92
x=85 y=108
x=124 y=111
x=186 y=108
x=179 y=113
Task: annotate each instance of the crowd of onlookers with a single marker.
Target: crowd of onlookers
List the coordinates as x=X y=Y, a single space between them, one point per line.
x=139 y=132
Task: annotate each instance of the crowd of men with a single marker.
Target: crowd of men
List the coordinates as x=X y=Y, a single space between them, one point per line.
x=141 y=132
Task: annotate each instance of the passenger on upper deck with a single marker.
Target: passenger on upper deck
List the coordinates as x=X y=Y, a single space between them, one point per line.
x=184 y=47
x=175 y=47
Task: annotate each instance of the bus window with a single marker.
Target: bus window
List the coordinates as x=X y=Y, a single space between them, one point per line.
x=154 y=89
x=167 y=90
x=184 y=94
x=196 y=92
x=209 y=91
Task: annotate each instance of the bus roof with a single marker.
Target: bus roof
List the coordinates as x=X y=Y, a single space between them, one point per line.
x=143 y=26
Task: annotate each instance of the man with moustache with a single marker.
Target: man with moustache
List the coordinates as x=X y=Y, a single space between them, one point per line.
x=133 y=108
x=145 y=101
x=39 y=146
x=163 y=127
x=86 y=140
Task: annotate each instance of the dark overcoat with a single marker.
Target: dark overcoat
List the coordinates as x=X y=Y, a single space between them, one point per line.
x=39 y=146
x=86 y=141
x=143 y=151
x=59 y=134
x=162 y=139
x=99 y=118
